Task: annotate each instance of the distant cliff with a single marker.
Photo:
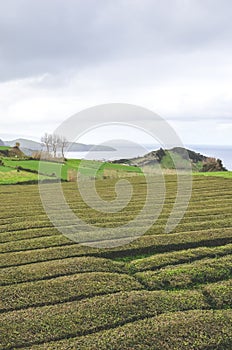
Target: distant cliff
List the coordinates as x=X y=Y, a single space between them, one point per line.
x=28 y=146
x=164 y=158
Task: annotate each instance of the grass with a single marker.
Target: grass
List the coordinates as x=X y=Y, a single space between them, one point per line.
x=161 y=291
x=86 y=167
x=4 y=169
x=4 y=148
x=10 y=177
x=224 y=174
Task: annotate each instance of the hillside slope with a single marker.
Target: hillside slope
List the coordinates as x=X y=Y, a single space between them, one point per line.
x=180 y=155
x=11 y=152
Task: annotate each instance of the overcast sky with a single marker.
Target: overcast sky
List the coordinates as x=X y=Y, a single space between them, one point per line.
x=174 y=57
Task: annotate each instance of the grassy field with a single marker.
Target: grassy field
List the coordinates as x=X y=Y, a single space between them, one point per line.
x=225 y=174
x=4 y=148
x=85 y=167
x=28 y=170
x=161 y=291
x=10 y=176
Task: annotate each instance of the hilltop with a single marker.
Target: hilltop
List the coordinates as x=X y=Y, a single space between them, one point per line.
x=28 y=146
x=180 y=155
x=11 y=152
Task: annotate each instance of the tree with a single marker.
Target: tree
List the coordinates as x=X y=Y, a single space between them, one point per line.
x=17 y=144
x=63 y=144
x=55 y=143
x=47 y=141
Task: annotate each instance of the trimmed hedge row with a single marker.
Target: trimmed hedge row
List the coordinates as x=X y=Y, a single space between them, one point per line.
x=20 y=207
x=157 y=261
x=40 y=230
x=34 y=243
x=41 y=324
x=190 y=330
x=56 y=268
x=188 y=275
x=27 y=227
x=13 y=236
x=193 y=214
x=63 y=289
x=46 y=248
x=219 y=295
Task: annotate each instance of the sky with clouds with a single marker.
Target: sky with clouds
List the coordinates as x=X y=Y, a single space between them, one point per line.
x=174 y=57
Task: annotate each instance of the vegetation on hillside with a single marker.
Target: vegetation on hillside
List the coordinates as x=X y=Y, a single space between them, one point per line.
x=161 y=291
x=176 y=158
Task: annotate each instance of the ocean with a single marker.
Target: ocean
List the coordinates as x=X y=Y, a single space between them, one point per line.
x=222 y=152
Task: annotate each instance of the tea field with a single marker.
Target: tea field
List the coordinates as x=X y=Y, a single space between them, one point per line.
x=162 y=291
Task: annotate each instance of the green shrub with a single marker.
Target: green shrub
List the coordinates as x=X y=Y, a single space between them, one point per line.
x=63 y=289
x=41 y=324
x=188 y=275
x=219 y=295
x=45 y=248
x=56 y=268
x=190 y=330
x=157 y=261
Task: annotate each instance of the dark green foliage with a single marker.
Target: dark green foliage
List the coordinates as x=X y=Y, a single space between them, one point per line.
x=157 y=261
x=56 y=268
x=188 y=275
x=57 y=294
x=219 y=295
x=76 y=318
x=63 y=289
x=192 y=330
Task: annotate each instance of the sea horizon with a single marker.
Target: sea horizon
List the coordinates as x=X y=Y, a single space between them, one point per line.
x=220 y=152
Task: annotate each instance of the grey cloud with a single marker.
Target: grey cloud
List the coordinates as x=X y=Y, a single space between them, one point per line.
x=43 y=36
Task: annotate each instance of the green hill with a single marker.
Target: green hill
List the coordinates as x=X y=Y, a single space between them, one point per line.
x=11 y=152
x=177 y=155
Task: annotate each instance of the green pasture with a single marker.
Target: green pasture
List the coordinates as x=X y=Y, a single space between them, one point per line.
x=60 y=170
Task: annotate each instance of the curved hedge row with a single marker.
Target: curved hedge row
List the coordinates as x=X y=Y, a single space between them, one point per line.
x=190 y=330
x=157 y=261
x=41 y=324
x=63 y=289
x=56 y=268
x=188 y=275
x=219 y=295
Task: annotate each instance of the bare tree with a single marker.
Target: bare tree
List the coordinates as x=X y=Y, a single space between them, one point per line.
x=47 y=141
x=55 y=143
x=63 y=144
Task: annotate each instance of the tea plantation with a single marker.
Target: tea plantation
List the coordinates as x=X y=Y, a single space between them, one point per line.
x=162 y=291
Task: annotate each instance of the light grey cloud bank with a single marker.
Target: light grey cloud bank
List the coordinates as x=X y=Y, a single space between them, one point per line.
x=174 y=57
